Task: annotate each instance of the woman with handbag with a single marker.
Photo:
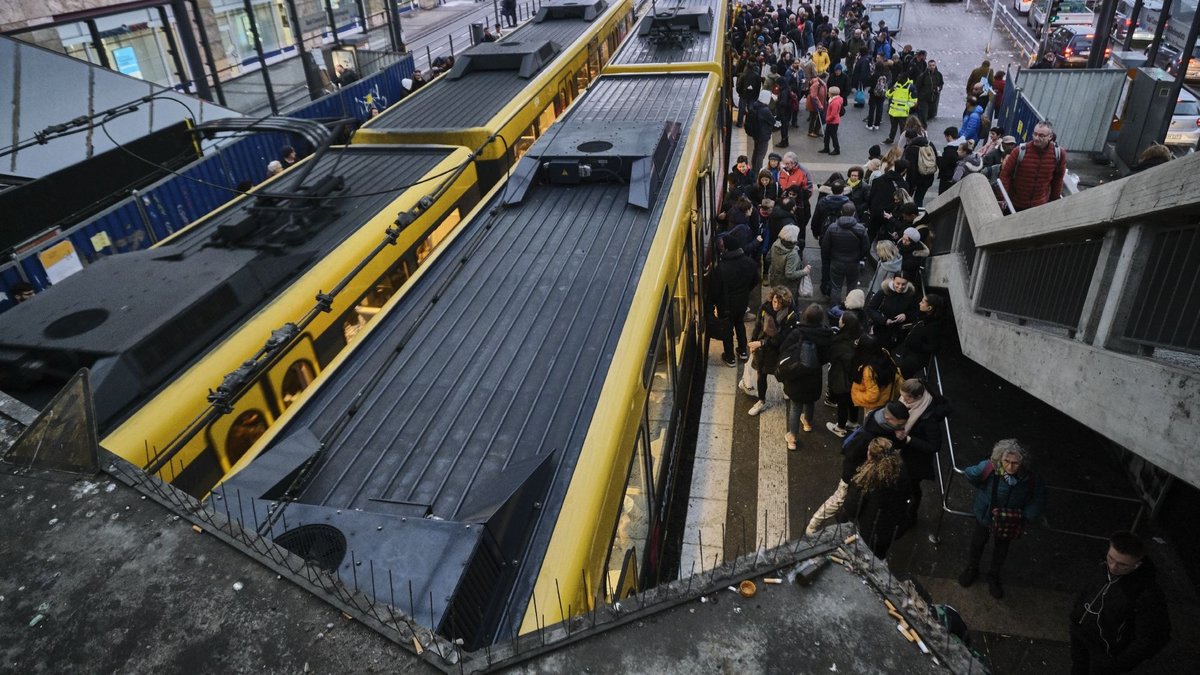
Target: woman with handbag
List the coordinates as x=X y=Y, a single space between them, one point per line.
x=1008 y=497
x=775 y=317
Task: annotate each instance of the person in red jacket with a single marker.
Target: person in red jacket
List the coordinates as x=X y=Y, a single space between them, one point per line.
x=833 y=119
x=1033 y=173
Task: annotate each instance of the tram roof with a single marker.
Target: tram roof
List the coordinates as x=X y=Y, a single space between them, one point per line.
x=473 y=99
x=689 y=44
x=482 y=380
x=157 y=308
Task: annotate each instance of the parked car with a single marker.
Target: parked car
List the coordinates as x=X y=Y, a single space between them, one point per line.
x=1185 y=123
x=1022 y=6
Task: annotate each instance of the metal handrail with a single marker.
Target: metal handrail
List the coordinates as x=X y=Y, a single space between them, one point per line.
x=944 y=483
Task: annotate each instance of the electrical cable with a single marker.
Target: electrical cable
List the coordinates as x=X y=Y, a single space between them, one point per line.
x=280 y=195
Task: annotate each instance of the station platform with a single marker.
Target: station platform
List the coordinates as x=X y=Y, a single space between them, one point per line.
x=748 y=491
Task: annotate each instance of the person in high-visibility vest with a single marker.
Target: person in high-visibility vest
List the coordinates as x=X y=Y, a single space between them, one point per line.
x=902 y=99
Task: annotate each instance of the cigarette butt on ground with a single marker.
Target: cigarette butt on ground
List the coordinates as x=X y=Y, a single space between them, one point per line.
x=888 y=603
x=772 y=580
x=895 y=615
x=850 y=540
x=417 y=645
x=197 y=529
x=921 y=644
x=735 y=590
x=907 y=635
x=837 y=560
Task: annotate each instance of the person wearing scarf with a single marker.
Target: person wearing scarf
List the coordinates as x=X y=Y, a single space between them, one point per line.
x=923 y=437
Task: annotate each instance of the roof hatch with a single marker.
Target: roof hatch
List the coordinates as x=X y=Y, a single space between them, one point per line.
x=570 y=9
x=526 y=58
x=676 y=26
x=634 y=154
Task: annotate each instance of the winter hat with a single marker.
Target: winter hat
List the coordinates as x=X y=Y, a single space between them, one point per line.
x=1008 y=140
x=774 y=156
x=912 y=234
x=855 y=299
x=898 y=410
x=790 y=233
x=874 y=152
x=768 y=204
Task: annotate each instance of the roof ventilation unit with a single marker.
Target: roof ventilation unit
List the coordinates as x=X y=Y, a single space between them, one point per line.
x=635 y=155
x=571 y=9
x=677 y=26
x=526 y=58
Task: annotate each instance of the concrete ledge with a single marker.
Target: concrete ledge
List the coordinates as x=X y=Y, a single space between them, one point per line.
x=1151 y=408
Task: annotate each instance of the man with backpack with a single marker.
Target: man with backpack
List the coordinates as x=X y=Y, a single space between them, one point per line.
x=1033 y=173
x=760 y=125
x=922 y=166
x=749 y=84
x=879 y=83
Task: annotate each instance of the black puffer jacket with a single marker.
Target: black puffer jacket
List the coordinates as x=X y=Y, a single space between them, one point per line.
x=845 y=241
x=807 y=387
x=923 y=342
x=841 y=363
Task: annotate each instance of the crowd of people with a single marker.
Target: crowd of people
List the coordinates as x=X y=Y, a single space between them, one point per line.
x=859 y=334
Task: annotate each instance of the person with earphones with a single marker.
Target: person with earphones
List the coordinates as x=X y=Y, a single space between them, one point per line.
x=1119 y=619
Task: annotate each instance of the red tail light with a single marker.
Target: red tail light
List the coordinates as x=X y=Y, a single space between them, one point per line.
x=1108 y=52
x=1068 y=51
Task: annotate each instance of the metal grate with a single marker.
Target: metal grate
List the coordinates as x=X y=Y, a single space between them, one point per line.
x=1166 y=309
x=1048 y=284
x=967 y=247
x=322 y=545
x=942 y=231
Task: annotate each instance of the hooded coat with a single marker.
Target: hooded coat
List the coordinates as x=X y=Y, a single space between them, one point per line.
x=888 y=304
x=787 y=265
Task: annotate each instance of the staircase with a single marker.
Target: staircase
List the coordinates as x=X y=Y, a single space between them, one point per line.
x=1090 y=303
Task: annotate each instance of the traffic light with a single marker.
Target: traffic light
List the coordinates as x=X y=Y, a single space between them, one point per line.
x=1055 y=8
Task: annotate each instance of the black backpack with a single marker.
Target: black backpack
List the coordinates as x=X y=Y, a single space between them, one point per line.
x=752 y=120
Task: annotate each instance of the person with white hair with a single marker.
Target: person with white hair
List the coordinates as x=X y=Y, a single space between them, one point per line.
x=274 y=168
x=787 y=264
x=1008 y=496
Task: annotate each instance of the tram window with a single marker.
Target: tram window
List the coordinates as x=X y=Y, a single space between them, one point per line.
x=246 y=429
x=660 y=401
x=438 y=235
x=297 y=378
x=548 y=115
x=633 y=523
x=525 y=140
